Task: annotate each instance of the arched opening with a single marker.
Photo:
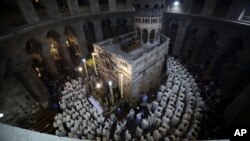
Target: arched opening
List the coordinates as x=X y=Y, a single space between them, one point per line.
x=33 y=49
x=122 y=27
x=84 y=6
x=152 y=36
x=40 y=9
x=172 y=28
x=208 y=49
x=89 y=32
x=104 y=6
x=145 y=36
x=138 y=34
x=56 y=50
x=107 y=29
x=72 y=44
x=42 y=67
x=63 y=7
x=146 y=6
x=189 y=42
x=158 y=37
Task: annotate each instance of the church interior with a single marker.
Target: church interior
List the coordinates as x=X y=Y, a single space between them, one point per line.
x=132 y=70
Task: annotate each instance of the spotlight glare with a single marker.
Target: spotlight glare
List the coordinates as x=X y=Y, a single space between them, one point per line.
x=1 y=115
x=80 y=69
x=110 y=83
x=98 y=85
x=176 y=3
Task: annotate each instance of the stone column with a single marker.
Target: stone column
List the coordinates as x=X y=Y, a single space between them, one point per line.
x=237 y=76
x=52 y=8
x=200 y=38
x=129 y=4
x=47 y=58
x=94 y=6
x=65 y=51
x=219 y=55
x=98 y=30
x=208 y=8
x=148 y=41
x=236 y=9
x=81 y=39
x=28 y=11
x=187 y=6
x=73 y=7
x=49 y=63
x=141 y=36
x=159 y=37
x=180 y=37
x=24 y=72
x=240 y=104
x=112 y=5
x=155 y=36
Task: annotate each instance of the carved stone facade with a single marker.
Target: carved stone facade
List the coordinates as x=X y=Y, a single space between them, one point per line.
x=134 y=61
x=134 y=72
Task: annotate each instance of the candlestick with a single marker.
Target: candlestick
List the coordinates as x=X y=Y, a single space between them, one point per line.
x=121 y=75
x=94 y=63
x=85 y=66
x=92 y=88
x=111 y=92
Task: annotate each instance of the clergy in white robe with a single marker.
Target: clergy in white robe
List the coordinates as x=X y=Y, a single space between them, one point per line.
x=138 y=131
x=144 y=124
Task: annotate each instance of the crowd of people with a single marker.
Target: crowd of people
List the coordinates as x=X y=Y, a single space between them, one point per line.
x=213 y=123
x=175 y=114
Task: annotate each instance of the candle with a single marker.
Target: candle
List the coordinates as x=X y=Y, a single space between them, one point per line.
x=121 y=75
x=94 y=79
x=94 y=63
x=111 y=92
x=85 y=66
x=92 y=88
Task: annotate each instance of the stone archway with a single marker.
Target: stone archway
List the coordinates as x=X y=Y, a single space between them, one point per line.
x=89 y=32
x=188 y=44
x=42 y=60
x=72 y=44
x=33 y=48
x=122 y=27
x=53 y=41
x=145 y=36
x=106 y=29
x=138 y=33
x=59 y=51
x=172 y=29
x=152 y=36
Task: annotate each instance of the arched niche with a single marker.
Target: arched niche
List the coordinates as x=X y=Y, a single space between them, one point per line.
x=72 y=44
x=107 y=29
x=34 y=48
x=138 y=33
x=89 y=32
x=145 y=36
x=53 y=39
x=152 y=36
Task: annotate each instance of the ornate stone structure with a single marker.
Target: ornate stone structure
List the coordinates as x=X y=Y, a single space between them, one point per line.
x=134 y=61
